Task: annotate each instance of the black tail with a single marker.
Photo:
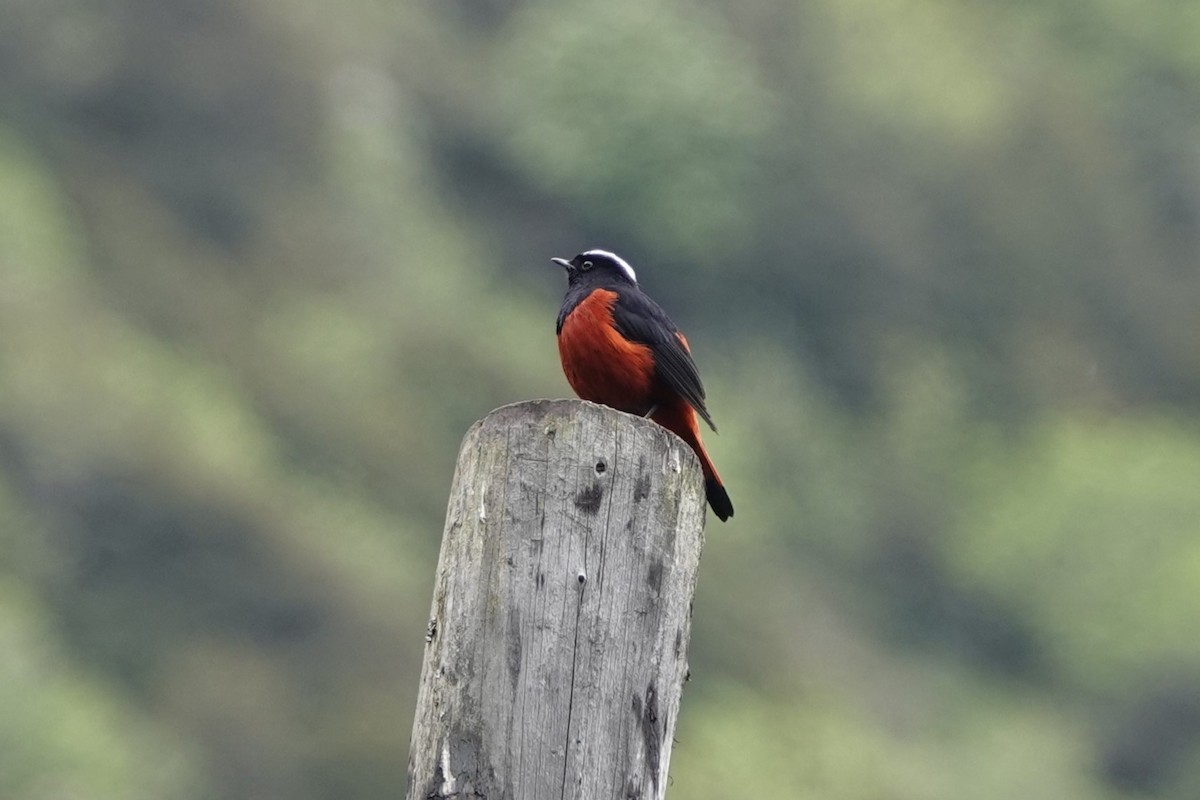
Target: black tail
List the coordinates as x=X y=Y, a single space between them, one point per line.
x=718 y=498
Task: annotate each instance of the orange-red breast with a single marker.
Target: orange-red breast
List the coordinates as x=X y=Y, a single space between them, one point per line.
x=619 y=348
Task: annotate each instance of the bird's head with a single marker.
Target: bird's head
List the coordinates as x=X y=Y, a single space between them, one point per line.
x=597 y=266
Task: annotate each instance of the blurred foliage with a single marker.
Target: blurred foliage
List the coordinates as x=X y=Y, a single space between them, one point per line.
x=1106 y=614
x=66 y=734
x=673 y=157
x=262 y=264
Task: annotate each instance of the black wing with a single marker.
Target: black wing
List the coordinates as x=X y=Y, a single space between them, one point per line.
x=640 y=319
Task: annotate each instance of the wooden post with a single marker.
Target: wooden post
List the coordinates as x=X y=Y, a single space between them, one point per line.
x=557 y=644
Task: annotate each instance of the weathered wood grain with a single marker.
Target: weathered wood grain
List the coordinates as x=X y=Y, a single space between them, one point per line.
x=561 y=610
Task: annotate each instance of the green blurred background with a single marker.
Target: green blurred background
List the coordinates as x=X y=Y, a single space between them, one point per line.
x=262 y=263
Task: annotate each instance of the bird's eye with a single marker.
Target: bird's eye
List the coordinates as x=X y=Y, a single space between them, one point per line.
x=587 y=265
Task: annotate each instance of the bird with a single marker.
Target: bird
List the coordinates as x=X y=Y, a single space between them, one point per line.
x=620 y=349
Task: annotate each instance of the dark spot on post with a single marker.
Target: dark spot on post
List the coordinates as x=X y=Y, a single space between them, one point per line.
x=655 y=575
x=588 y=500
x=472 y=776
x=513 y=644
x=641 y=488
x=647 y=714
x=466 y=757
x=678 y=641
x=601 y=467
x=434 y=787
x=541 y=580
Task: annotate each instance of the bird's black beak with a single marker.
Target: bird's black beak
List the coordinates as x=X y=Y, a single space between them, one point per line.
x=562 y=262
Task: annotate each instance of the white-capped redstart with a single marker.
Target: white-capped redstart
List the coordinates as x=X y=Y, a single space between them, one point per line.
x=619 y=348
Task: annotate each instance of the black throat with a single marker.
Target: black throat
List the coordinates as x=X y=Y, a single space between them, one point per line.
x=582 y=285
